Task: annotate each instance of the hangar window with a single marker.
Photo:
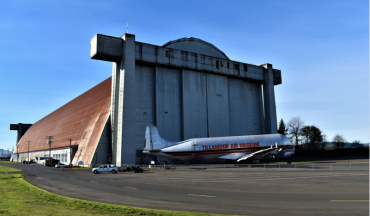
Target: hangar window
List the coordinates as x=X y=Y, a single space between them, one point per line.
x=245 y=67
x=236 y=67
x=169 y=54
x=228 y=65
x=184 y=56
x=217 y=64
x=222 y=64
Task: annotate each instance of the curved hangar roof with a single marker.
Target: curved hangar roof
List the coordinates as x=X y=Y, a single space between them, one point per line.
x=196 y=45
x=82 y=119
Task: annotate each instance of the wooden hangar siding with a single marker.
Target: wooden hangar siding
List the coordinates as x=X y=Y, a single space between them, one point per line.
x=84 y=120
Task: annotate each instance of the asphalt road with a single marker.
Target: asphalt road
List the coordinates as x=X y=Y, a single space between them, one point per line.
x=223 y=192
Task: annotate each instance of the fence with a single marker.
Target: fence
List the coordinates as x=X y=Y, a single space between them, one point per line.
x=262 y=167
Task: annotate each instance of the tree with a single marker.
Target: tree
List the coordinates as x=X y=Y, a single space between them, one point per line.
x=305 y=132
x=339 y=141
x=356 y=144
x=294 y=127
x=324 y=140
x=313 y=136
x=282 y=130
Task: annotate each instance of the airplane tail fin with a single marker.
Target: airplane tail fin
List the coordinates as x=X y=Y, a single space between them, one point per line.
x=152 y=139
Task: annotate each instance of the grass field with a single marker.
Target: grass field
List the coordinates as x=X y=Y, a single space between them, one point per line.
x=18 y=197
x=8 y=169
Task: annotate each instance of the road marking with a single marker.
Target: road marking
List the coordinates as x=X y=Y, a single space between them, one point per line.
x=56 y=175
x=131 y=188
x=93 y=181
x=349 y=200
x=72 y=178
x=200 y=195
x=275 y=177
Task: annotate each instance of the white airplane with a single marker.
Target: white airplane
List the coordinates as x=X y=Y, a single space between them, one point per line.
x=219 y=149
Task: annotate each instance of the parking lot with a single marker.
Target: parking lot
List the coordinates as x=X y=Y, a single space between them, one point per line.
x=260 y=191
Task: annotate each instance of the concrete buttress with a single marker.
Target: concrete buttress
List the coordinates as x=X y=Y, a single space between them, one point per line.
x=269 y=100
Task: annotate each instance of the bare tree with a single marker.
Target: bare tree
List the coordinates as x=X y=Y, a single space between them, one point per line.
x=324 y=141
x=339 y=141
x=324 y=138
x=356 y=144
x=294 y=126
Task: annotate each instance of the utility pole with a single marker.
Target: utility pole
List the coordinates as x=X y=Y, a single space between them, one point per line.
x=28 y=152
x=49 y=138
x=17 y=152
x=70 y=152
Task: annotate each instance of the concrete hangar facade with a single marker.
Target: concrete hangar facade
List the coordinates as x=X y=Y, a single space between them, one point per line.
x=188 y=88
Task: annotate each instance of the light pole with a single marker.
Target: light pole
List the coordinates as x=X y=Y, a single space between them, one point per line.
x=49 y=142
x=70 y=152
x=28 y=152
x=17 y=152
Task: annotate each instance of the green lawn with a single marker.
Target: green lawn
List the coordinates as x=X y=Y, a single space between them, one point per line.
x=8 y=169
x=9 y=162
x=18 y=197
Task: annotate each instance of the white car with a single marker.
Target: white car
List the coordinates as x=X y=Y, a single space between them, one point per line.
x=105 y=168
x=60 y=165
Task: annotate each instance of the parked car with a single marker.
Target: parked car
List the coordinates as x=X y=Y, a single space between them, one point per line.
x=53 y=162
x=136 y=169
x=29 y=162
x=105 y=168
x=60 y=165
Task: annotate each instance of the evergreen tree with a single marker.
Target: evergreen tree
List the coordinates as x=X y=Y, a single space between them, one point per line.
x=282 y=130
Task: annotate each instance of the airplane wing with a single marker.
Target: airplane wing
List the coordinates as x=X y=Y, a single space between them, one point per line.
x=260 y=152
x=233 y=156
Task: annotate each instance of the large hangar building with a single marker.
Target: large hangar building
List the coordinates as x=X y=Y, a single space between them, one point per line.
x=188 y=88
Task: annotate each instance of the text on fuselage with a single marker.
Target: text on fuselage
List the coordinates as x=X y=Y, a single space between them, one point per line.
x=230 y=146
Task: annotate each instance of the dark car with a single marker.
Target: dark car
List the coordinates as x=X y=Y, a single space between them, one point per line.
x=136 y=169
x=32 y=161
x=53 y=162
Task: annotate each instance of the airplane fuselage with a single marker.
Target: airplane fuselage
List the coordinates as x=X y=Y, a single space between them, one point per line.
x=219 y=149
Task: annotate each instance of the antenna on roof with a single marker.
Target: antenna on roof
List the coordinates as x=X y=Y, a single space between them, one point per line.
x=127 y=27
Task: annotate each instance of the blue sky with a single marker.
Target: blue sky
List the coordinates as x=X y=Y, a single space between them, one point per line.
x=322 y=48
